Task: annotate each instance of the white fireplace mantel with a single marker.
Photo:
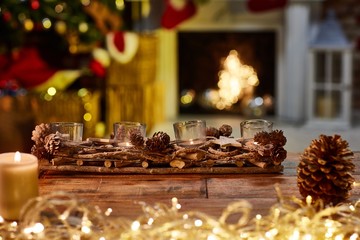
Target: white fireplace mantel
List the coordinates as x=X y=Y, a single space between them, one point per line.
x=292 y=25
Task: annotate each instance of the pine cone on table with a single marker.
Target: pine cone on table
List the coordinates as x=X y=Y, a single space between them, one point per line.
x=324 y=171
x=225 y=130
x=158 y=142
x=136 y=138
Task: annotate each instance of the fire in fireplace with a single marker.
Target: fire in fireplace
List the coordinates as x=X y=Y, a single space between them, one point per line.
x=208 y=84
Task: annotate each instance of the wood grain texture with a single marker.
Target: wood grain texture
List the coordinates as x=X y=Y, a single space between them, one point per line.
x=208 y=193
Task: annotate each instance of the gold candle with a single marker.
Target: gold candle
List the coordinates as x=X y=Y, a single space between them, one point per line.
x=18 y=182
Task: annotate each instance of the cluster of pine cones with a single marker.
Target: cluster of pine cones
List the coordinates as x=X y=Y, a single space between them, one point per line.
x=160 y=141
x=276 y=138
x=270 y=147
x=225 y=130
x=157 y=143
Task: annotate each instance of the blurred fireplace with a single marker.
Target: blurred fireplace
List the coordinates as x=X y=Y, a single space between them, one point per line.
x=200 y=56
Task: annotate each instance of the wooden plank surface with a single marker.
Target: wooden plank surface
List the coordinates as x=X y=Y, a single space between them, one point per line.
x=208 y=193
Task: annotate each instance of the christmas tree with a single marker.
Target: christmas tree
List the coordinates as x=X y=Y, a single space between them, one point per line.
x=53 y=31
x=76 y=21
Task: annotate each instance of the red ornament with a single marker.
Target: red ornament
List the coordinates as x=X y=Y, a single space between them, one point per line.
x=35 y=4
x=97 y=68
x=177 y=13
x=265 y=5
x=7 y=16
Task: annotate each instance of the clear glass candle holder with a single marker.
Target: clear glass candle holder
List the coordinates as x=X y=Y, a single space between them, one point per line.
x=72 y=131
x=122 y=131
x=190 y=133
x=249 y=128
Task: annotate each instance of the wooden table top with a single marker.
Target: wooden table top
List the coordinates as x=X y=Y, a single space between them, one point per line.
x=208 y=193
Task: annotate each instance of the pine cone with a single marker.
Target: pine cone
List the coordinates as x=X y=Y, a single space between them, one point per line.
x=38 y=136
x=324 y=171
x=277 y=138
x=39 y=151
x=52 y=143
x=278 y=155
x=262 y=138
x=212 y=132
x=225 y=130
x=158 y=142
x=136 y=138
x=39 y=133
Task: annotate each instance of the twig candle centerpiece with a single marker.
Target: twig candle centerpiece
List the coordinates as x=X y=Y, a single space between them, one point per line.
x=18 y=182
x=71 y=131
x=249 y=128
x=190 y=133
x=193 y=151
x=123 y=130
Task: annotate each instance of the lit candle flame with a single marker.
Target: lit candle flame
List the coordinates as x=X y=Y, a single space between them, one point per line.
x=17 y=156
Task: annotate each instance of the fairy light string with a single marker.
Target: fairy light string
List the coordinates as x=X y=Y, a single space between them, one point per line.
x=63 y=216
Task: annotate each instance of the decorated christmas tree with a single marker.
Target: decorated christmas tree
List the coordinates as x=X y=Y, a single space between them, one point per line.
x=76 y=21
x=40 y=38
x=63 y=30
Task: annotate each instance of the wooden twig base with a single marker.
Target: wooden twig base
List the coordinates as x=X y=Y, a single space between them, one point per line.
x=45 y=166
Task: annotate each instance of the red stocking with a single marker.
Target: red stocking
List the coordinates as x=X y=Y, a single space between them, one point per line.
x=177 y=11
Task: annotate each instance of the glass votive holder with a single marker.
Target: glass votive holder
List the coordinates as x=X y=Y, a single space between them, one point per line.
x=72 y=131
x=249 y=128
x=190 y=133
x=122 y=131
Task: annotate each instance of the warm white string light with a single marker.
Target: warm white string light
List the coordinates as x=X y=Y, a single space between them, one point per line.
x=57 y=216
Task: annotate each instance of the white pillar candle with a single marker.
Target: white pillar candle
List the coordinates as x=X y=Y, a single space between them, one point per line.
x=18 y=182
